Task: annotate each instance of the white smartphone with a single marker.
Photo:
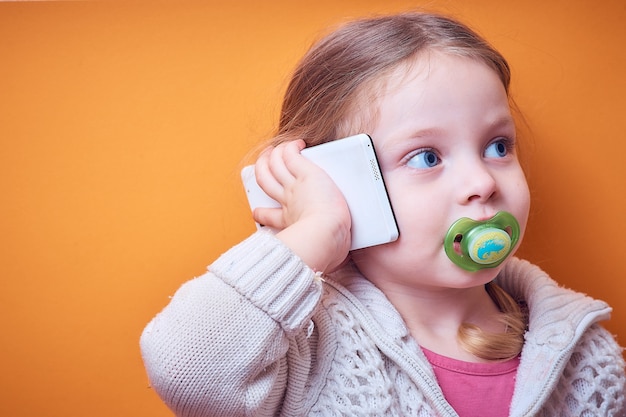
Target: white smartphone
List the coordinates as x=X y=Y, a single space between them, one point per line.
x=351 y=162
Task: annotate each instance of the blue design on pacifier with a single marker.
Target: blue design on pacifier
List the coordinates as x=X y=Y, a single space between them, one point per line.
x=475 y=245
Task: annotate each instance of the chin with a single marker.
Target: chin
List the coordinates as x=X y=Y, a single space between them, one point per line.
x=469 y=279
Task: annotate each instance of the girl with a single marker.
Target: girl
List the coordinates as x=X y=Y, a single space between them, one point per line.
x=292 y=324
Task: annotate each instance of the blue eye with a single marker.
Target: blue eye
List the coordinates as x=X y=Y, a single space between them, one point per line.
x=424 y=159
x=497 y=149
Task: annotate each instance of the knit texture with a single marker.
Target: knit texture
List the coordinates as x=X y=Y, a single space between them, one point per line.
x=591 y=385
x=259 y=335
x=364 y=382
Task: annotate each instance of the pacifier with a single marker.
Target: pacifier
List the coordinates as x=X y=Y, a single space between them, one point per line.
x=475 y=245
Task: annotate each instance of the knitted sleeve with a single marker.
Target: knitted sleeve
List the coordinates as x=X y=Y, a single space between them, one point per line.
x=219 y=348
x=593 y=382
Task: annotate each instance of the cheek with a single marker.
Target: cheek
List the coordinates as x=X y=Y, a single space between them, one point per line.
x=521 y=207
x=422 y=229
x=418 y=208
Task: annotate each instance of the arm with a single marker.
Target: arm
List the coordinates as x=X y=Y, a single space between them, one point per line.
x=219 y=347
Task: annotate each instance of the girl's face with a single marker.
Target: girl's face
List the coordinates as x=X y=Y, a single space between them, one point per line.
x=445 y=139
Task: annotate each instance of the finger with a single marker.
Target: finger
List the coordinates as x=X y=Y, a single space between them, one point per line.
x=277 y=162
x=271 y=217
x=291 y=154
x=295 y=162
x=271 y=171
x=264 y=176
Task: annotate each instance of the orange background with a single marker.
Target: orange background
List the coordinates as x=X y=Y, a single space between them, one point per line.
x=123 y=127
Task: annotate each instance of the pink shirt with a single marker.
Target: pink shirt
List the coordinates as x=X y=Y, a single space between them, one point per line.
x=475 y=389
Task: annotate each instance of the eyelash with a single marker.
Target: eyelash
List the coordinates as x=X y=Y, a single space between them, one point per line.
x=422 y=151
x=509 y=145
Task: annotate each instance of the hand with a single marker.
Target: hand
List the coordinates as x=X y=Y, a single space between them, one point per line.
x=313 y=220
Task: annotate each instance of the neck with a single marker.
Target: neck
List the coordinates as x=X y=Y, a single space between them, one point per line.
x=434 y=315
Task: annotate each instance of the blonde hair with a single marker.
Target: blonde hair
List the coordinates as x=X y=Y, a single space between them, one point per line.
x=334 y=72
x=497 y=346
x=337 y=74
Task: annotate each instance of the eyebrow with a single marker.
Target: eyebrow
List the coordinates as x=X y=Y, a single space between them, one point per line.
x=499 y=122
x=502 y=121
x=404 y=140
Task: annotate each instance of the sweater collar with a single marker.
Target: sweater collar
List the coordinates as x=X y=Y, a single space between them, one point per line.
x=374 y=300
x=558 y=319
x=557 y=314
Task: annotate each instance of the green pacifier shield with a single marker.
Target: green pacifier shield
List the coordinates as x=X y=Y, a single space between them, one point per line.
x=475 y=245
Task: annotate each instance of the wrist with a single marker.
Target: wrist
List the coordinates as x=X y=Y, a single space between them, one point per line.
x=322 y=246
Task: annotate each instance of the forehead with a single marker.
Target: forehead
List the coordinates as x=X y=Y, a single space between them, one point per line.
x=447 y=78
x=435 y=71
x=365 y=110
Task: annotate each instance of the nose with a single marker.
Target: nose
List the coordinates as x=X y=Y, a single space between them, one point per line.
x=478 y=184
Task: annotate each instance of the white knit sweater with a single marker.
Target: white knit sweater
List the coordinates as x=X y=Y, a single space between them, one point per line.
x=259 y=335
